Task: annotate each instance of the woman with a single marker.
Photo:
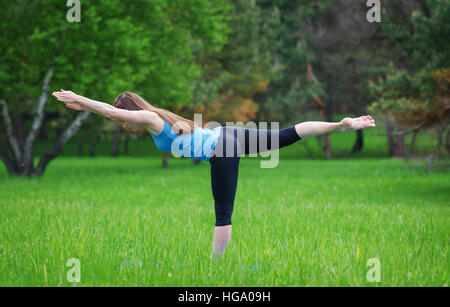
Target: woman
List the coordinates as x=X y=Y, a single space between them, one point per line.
x=222 y=146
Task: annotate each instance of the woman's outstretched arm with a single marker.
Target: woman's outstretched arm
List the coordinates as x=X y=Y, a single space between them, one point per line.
x=78 y=102
x=313 y=128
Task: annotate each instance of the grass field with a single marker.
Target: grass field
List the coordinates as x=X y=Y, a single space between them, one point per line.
x=303 y=223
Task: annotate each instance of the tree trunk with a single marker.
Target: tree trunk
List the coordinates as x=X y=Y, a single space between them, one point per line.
x=324 y=143
x=390 y=131
x=116 y=141
x=94 y=142
x=436 y=153
x=359 y=143
x=62 y=140
x=413 y=141
x=80 y=147
x=9 y=163
x=447 y=141
x=19 y=131
x=440 y=132
x=36 y=124
x=43 y=135
x=398 y=143
x=82 y=140
x=23 y=146
x=165 y=159
x=11 y=136
x=125 y=144
x=396 y=138
x=399 y=150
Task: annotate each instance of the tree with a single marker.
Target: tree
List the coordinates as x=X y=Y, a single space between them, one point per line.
x=420 y=97
x=146 y=46
x=415 y=101
x=232 y=76
x=294 y=93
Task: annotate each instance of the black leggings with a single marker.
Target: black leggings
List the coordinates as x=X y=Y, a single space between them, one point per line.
x=233 y=143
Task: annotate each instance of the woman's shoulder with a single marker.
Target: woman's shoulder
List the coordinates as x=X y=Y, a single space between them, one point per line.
x=157 y=125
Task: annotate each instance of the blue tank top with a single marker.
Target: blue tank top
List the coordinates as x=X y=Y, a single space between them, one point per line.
x=196 y=145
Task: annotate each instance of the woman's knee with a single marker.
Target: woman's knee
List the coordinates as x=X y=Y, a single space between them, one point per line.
x=223 y=214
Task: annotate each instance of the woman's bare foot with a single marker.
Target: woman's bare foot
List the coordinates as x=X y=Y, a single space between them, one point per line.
x=352 y=124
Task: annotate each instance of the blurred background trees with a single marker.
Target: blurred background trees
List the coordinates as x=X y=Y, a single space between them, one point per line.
x=417 y=95
x=143 y=46
x=230 y=60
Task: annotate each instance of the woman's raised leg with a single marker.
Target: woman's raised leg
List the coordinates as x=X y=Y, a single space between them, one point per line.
x=313 y=128
x=259 y=140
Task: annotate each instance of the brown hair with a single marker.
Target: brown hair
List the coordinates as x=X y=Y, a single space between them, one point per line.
x=133 y=102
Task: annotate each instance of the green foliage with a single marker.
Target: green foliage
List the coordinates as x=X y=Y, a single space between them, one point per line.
x=233 y=75
x=289 y=94
x=401 y=85
x=422 y=96
x=412 y=99
x=145 y=46
x=426 y=42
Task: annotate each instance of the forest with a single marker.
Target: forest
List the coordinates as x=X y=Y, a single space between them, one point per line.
x=240 y=60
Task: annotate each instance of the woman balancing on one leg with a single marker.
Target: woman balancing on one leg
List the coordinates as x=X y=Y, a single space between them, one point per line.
x=222 y=146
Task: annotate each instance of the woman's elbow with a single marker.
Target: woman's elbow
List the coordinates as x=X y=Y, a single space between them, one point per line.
x=111 y=114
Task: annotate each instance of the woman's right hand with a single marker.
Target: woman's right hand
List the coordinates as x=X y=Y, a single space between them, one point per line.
x=69 y=99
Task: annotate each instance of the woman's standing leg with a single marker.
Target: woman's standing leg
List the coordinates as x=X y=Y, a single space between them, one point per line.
x=222 y=236
x=224 y=177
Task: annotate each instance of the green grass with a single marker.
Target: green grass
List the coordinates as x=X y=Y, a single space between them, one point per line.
x=303 y=223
